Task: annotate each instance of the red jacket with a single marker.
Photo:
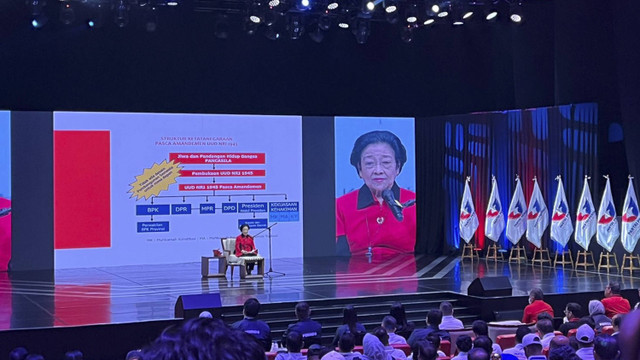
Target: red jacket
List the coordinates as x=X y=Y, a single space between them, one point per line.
x=615 y=304
x=244 y=243
x=532 y=310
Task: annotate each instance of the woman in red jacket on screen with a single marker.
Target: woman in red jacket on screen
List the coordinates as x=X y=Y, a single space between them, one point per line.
x=245 y=246
x=365 y=223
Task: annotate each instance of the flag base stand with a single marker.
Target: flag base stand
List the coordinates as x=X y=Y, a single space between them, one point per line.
x=541 y=255
x=518 y=254
x=585 y=262
x=605 y=261
x=563 y=258
x=632 y=261
x=493 y=253
x=469 y=252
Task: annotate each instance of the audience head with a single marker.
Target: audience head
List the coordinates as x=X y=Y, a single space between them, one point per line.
x=573 y=310
x=302 y=310
x=316 y=352
x=532 y=345
x=424 y=350
x=480 y=328
x=478 y=354
x=294 y=341
x=596 y=307
x=544 y=326
x=483 y=342
x=535 y=294
x=564 y=352
x=446 y=308
x=205 y=314
x=349 y=315
x=434 y=318
x=434 y=339
x=629 y=335
x=558 y=341
x=389 y=324
x=373 y=348
x=521 y=332
x=73 y=355
x=251 y=307
x=612 y=289
x=544 y=315
x=18 y=353
x=332 y=355
x=587 y=320
x=347 y=342
x=34 y=357
x=464 y=343
x=585 y=335
x=382 y=335
x=134 y=355
x=616 y=321
x=397 y=311
x=605 y=347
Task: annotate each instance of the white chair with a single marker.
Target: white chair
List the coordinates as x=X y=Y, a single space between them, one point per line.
x=231 y=260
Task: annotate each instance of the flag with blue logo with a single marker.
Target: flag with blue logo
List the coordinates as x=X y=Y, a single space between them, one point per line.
x=630 y=219
x=516 y=218
x=494 y=220
x=537 y=216
x=561 y=226
x=468 y=217
x=608 y=231
x=586 y=218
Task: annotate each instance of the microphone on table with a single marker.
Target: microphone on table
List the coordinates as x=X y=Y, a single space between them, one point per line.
x=395 y=205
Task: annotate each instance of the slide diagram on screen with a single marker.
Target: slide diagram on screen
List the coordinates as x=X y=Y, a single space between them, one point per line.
x=176 y=184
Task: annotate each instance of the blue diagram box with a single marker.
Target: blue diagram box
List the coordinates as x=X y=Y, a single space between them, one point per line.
x=207 y=208
x=283 y=211
x=181 y=209
x=153 y=226
x=152 y=209
x=254 y=223
x=229 y=208
x=252 y=207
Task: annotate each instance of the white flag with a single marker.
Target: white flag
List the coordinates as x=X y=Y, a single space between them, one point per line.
x=630 y=219
x=516 y=220
x=468 y=217
x=608 y=231
x=561 y=226
x=585 y=218
x=537 y=216
x=494 y=221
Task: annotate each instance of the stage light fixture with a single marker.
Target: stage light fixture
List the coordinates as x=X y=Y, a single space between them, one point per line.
x=406 y=34
x=303 y=5
x=491 y=14
x=172 y=3
x=121 y=17
x=390 y=6
x=250 y=27
x=221 y=27
x=467 y=15
x=362 y=29
x=515 y=13
x=429 y=22
x=274 y=3
x=435 y=8
x=333 y=5
x=411 y=14
x=67 y=14
x=38 y=18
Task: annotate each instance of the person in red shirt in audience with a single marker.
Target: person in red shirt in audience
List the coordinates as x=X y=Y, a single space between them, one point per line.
x=613 y=302
x=535 y=307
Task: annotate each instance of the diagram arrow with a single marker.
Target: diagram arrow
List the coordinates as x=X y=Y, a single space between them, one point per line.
x=206 y=199
x=151 y=217
x=152 y=200
x=229 y=197
x=254 y=215
x=285 y=196
x=183 y=199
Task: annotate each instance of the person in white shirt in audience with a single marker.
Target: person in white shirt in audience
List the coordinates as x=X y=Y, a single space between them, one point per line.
x=546 y=332
x=464 y=345
x=392 y=353
x=390 y=325
x=518 y=350
x=448 y=321
x=532 y=347
x=294 y=344
x=585 y=337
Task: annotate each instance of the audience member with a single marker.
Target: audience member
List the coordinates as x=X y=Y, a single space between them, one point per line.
x=423 y=350
x=480 y=328
x=484 y=342
x=596 y=312
x=205 y=314
x=434 y=317
x=564 y=352
x=464 y=345
x=629 y=335
x=588 y=321
x=573 y=313
x=545 y=330
x=535 y=307
x=478 y=354
x=18 y=353
x=605 y=347
x=134 y=355
x=316 y=352
x=346 y=344
x=390 y=326
x=448 y=321
x=532 y=346
x=73 y=355
x=434 y=339
x=373 y=348
x=613 y=302
x=616 y=322
x=392 y=353
x=332 y=355
x=34 y=357
x=559 y=341
x=585 y=336
x=252 y=326
x=294 y=344
x=310 y=330
x=405 y=328
x=518 y=350
x=545 y=315
x=350 y=324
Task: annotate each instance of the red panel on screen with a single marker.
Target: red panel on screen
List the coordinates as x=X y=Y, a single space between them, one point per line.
x=82 y=189
x=82 y=304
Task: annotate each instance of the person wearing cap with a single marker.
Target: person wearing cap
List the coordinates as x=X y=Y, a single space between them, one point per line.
x=518 y=350
x=585 y=337
x=613 y=302
x=532 y=347
x=596 y=312
x=252 y=326
x=535 y=307
x=573 y=313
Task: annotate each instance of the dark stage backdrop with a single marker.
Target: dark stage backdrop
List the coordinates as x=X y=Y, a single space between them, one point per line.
x=543 y=142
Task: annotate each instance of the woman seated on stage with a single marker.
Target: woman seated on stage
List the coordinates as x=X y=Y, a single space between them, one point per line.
x=245 y=246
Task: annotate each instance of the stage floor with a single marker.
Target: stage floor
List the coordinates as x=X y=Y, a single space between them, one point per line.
x=148 y=292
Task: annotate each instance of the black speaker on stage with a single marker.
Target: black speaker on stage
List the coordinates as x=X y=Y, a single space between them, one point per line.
x=490 y=286
x=190 y=306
